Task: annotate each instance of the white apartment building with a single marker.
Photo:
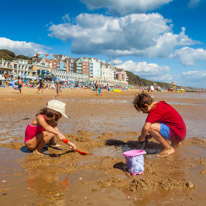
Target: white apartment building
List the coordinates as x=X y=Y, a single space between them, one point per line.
x=94 y=68
x=16 y=68
x=107 y=72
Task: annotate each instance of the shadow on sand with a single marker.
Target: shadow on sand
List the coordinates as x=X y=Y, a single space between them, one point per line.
x=25 y=150
x=151 y=148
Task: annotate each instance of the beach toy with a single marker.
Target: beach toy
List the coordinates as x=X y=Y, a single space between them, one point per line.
x=135 y=161
x=117 y=90
x=14 y=85
x=79 y=151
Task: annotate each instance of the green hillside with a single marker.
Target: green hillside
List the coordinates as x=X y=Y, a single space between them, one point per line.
x=9 y=55
x=137 y=81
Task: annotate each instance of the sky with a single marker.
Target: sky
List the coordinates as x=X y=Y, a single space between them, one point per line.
x=159 y=40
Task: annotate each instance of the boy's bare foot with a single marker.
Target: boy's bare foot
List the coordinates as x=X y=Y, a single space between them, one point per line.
x=37 y=152
x=176 y=145
x=166 y=152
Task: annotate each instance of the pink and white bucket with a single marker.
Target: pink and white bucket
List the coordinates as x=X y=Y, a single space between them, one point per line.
x=135 y=161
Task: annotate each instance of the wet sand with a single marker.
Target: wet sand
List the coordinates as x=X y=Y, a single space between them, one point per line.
x=105 y=126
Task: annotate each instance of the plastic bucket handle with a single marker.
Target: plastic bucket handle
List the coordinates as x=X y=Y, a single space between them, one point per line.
x=133 y=153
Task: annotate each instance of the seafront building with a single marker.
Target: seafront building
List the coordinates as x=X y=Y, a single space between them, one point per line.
x=64 y=68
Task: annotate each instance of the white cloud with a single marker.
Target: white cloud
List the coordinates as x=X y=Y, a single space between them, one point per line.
x=116 y=61
x=124 y=7
x=136 y=34
x=21 y=47
x=194 y=75
x=150 y=71
x=188 y=56
x=194 y=78
x=193 y=3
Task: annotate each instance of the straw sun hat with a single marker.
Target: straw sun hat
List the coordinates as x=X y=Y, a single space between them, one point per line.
x=57 y=106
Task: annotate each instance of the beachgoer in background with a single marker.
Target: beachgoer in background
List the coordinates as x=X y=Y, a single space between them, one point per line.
x=40 y=86
x=107 y=87
x=96 y=86
x=152 y=88
x=58 y=90
x=52 y=84
x=20 y=84
x=163 y=123
x=99 y=90
x=42 y=129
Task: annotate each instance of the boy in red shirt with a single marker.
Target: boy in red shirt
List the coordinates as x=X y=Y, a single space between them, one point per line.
x=163 y=123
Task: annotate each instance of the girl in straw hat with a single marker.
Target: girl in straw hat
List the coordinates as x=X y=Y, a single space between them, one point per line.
x=42 y=129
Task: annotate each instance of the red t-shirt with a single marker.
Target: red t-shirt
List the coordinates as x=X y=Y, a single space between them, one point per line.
x=166 y=114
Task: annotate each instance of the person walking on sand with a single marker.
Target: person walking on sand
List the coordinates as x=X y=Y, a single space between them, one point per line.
x=42 y=129
x=58 y=90
x=99 y=91
x=20 y=84
x=163 y=123
x=40 y=86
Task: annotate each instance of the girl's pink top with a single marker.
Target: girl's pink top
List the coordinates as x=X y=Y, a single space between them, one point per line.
x=32 y=130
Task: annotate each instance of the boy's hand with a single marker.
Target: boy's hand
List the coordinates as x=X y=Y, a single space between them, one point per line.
x=141 y=139
x=148 y=137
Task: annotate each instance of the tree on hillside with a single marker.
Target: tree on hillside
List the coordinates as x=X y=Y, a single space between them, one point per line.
x=9 y=53
x=136 y=80
x=21 y=56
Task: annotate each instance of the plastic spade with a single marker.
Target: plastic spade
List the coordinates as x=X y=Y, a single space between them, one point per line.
x=79 y=151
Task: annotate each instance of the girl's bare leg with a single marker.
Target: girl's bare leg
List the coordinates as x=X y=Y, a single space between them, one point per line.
x=52 y=142
x=46 y=138
x=38 y=142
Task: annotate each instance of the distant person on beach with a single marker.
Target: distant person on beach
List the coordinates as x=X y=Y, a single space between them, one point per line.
x=42 y=129
x=40 y=86
x=96 y=86
x=52 y=85
x=58 y=90
x=99 y=90
x=107 y=87
x=163 y=123
x=152 y=88
x=20 y=84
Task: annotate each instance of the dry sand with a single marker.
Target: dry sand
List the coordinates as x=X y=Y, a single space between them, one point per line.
x=105 y=126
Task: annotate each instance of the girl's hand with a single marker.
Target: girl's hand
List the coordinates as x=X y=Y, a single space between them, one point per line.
x=61 y=136
x=72 y=145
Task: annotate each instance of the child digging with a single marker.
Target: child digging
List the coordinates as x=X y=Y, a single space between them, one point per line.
x=163 y=123
x=42 y=129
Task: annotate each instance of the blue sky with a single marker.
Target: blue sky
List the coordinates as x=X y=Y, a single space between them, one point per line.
x=159 y=40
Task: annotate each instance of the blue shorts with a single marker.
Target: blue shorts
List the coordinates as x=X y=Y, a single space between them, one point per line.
x=165 y=131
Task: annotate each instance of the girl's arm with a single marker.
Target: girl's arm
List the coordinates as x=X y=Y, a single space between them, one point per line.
x=49 y=128
x=66 y=141
x=60 y=136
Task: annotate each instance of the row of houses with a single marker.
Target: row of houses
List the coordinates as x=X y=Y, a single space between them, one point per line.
x=64 y=68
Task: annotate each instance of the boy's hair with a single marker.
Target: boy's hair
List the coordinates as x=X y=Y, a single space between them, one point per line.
x=51 y=116
x=142 y=99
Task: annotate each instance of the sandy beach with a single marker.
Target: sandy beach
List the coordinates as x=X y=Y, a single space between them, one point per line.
x=104 y=126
